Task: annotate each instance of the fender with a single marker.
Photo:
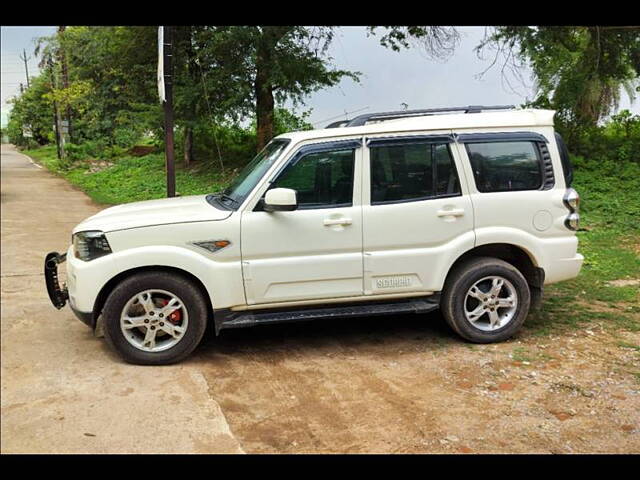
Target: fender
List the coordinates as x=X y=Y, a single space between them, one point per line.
x=512 y=236
x=221 y=279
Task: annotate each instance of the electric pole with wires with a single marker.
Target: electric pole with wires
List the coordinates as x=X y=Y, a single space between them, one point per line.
x=24 y=58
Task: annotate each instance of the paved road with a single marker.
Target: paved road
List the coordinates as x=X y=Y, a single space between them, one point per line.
x=62 y=389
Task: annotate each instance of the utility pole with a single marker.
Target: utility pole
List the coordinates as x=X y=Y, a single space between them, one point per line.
x=57 y=120
x=24 y=58
x=166 y=37
x=65 y=78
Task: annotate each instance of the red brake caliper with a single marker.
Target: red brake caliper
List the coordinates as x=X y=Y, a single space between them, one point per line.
x=176 y=316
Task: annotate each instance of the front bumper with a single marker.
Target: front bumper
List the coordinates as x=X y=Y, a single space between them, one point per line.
x=60 y=295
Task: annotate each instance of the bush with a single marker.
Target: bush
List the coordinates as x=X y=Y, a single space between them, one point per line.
x=617 y=141
x=609 y=191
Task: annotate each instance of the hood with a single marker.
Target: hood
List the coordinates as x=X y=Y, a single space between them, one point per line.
x=154 y=212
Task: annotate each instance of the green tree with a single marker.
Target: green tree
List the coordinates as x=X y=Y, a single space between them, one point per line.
x=266 y=65
x=111 y=81
x=579 y=71
x=32 y=110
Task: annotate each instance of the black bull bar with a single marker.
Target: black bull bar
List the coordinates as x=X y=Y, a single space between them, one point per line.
x=58 y=296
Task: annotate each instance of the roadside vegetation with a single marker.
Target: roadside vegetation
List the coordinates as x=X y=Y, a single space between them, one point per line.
x=113 y=175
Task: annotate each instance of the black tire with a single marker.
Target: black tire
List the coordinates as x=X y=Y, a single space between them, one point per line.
x=178 y=285
x=462 y=278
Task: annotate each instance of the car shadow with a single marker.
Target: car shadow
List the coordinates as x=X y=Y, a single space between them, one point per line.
x=339 y=335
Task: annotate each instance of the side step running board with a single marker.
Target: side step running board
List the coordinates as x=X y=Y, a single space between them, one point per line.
x=226 y=318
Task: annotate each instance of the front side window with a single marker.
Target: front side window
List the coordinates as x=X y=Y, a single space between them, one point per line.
x=251 y=174
x=402 y=173
x=321 y=179
x=505 y=166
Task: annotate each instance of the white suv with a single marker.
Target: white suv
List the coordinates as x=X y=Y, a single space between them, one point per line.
x=467 y=209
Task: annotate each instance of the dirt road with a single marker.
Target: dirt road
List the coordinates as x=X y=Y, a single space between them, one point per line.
x=383 y=384
x=62 y=389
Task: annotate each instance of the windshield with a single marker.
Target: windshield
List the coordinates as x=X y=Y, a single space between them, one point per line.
x=253 y=172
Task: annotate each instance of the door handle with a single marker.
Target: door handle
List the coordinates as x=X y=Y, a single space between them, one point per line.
x=337 y=221
x=454 y=212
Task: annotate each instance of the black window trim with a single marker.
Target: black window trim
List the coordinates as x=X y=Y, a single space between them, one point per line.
x=413 y=140
x=418 y=199
x=492 y=137
x=303 y=151
x=536 y=143
x=407 y=140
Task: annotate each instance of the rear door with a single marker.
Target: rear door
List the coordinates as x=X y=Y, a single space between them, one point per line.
x=417 y=217
x=515 y=193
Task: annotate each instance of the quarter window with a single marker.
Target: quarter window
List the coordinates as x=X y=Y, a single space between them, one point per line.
x=402 y=173
x=321 y=179
x=505 y=166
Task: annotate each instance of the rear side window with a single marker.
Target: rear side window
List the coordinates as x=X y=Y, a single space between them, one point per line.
x=506 y=166
x=404 y=173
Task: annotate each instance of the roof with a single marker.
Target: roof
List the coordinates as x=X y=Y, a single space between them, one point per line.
x=457 y=121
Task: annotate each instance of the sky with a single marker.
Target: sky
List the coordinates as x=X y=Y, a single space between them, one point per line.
x=13 y=40
x=388 y=79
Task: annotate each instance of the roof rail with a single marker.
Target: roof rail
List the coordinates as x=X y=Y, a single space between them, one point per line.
x=363 y=119
x=339 y=123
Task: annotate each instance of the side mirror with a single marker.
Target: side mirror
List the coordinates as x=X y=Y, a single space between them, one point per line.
x=280 y=200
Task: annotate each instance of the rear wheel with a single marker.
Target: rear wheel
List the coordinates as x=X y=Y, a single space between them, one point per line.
x=486 y=300
x=155 y=318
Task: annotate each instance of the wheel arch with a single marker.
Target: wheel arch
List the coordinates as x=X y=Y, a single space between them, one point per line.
x=108 y=287
x=516 y=255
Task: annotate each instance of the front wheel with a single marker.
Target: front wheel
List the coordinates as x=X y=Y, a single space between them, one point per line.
x=485 y=300
x=155 y=318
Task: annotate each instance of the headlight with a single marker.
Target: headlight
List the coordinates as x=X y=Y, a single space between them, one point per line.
x=90 y=245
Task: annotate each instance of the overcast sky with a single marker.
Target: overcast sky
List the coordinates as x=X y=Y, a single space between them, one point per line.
x=388 y=78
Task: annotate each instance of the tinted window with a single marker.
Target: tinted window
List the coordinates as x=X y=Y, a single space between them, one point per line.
x=447 y=177
x=323 y=179
x=412 y=172
x=253 y=172
x=505 y=166
x=564 y=157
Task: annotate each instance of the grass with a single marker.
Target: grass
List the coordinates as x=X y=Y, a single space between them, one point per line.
x=628 y=345
x=520 y=354
x=609 y=237
x=610 y=242
x=131 y=179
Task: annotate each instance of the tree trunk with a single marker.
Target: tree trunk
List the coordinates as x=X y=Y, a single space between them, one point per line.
x=264 y=97
x=188 y=146
x=269 y=38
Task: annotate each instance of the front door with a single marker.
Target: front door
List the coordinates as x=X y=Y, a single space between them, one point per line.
x=315 y=251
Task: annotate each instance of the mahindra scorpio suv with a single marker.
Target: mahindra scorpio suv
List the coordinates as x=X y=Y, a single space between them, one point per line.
x=467 y=209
